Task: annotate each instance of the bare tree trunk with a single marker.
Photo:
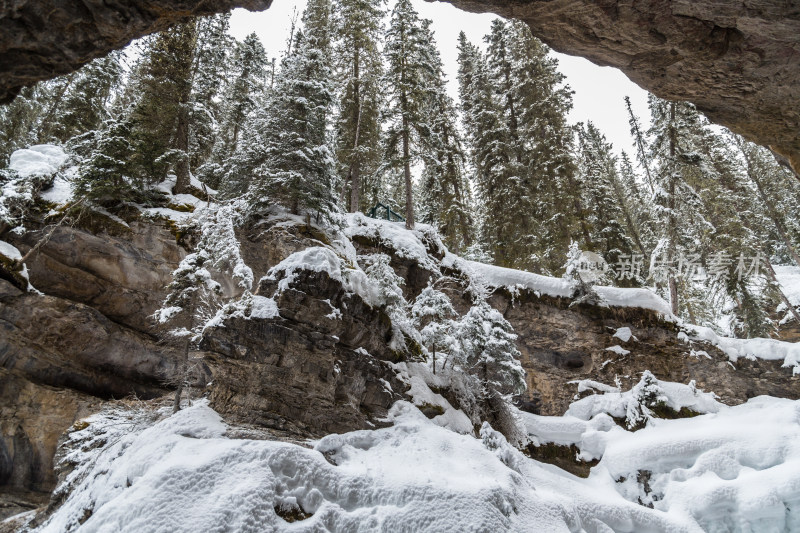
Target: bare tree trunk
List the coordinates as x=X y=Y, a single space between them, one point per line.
x=672 y=230
x=176 y=404
x=186 y=81
x=183 y=181
x=407 y=172
x=355 y=165
x=184 y=364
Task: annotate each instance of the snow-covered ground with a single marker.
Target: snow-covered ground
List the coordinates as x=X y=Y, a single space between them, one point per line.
x=736 y=469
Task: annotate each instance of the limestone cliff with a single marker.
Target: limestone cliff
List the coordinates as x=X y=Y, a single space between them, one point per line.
x=321 y=363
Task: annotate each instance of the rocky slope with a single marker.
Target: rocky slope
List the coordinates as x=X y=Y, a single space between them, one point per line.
x=739 y=62
x=319 y=361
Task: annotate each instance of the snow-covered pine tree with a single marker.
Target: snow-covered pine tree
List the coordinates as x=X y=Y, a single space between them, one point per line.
x=104 y=176
x=642 y=148
x=359 y=70
x=288 y=147
x=604 y=198
x=635 y=207
x=388 y=284
x=552 y=194
x=191 y=284
x=160 y=115
x=735 y=229
x=431 y=315
x=210 y=71
x=192 y=300
x=491 y=151
x=678 y=209
x=409 y=68
x=488 y=350
x=581 y=278
x=242 y=96
x=85 y=104
x=17 y=119
x=445 y=193
x=778 y=193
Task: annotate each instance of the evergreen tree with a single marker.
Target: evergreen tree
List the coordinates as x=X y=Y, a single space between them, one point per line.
x=515 y=107
x=604 y=198
x=489 y=352
x=210 y=71
x=161 y=114
x=104 y=175
x=552 y=190
x=288 y=150
x=17 y=121
x=491 y=152
x=409 y=69
x=635 y=204
x=85 y=103
x=431 y=314
x=243 y=96
x=358 y=67
x=444 y=197
x=678 y=209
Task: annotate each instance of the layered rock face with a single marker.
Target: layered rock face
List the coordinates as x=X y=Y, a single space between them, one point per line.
x=320 y=363
x=738 y=61
x=560 y=345
x=88 y=338
x=321 y=366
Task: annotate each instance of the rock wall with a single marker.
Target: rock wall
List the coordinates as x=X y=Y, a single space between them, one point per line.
x=41 y=39
x=88 y=338
x=322 y=365
x=560 y=345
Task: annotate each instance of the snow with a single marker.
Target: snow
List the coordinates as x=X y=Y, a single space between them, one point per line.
x=407 y=244
x=263 y=307
x=179 y=217
x=767 y=349
x=624 y=334
x=9 y=251
x=61 y=191
x=420 y=379
x=38 y=160
x=789 y=280
x=618 y=350
x=735 y=469
x=323 y=259
x=632 y=405
x=496 y=276
x=641 y=298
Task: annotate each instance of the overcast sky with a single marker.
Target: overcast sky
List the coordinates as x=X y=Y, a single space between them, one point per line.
x=599 y=91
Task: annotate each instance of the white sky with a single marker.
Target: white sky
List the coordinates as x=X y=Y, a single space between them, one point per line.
x=599 y=91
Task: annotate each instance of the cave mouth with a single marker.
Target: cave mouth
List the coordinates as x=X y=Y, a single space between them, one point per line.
x=738 y=63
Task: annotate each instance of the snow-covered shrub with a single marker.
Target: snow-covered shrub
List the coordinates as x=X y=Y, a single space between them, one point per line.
x=581 y=277
x=431 y=314
x=29 y=171
x=387 y=285
x=488 y=349
x=649 y=399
